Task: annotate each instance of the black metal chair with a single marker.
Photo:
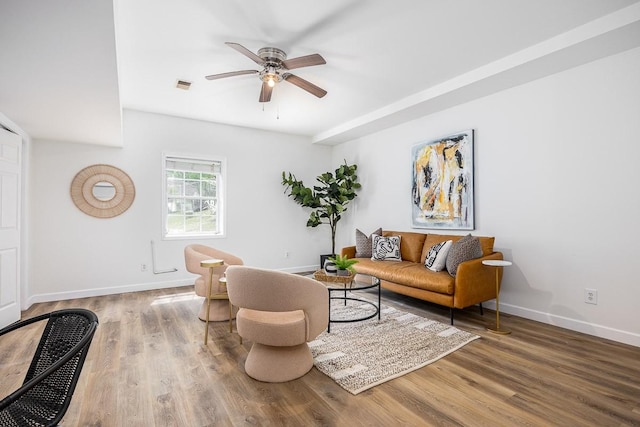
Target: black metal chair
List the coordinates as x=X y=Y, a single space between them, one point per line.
x=46 y=393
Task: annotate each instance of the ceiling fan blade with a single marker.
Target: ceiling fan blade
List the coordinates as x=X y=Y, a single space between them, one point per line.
x=303 y=84
x=303 y=61
x=230 y=74
x=265 y=92
x=246 y=52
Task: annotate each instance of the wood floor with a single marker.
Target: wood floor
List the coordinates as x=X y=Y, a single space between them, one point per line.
x=148 y=366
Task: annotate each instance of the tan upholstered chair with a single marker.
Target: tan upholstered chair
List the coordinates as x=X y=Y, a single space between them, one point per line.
x=193 y=255
x=279 y=312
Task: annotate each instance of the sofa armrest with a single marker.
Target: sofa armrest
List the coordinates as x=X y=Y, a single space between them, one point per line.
x=476 y=282
x=349 y=251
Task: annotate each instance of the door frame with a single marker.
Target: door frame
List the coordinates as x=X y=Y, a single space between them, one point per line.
x=23 y=270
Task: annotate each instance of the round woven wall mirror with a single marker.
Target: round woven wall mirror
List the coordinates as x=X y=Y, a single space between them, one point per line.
x=102 y=191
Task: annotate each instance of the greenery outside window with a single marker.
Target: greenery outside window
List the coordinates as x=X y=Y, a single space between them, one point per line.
x=193 y=197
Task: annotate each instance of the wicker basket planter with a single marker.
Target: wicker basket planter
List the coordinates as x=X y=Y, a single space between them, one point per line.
x=321 y=276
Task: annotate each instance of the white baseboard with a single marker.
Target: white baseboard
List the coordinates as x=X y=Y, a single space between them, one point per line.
x=301 y=269
x=85 y=293
x=95 y=292
x=606 y=332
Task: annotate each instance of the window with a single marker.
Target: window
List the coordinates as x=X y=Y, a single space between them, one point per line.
x=193 y=197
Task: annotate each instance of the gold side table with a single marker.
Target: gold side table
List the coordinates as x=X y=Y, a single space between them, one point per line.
x=225 y=295
x=497 y=264
x=222 y=282
x=210 y=264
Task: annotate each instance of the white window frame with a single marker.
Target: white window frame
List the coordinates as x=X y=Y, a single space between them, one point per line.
x=221 y=195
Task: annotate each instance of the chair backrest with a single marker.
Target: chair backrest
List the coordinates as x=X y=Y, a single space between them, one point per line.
x=271 y=290
x=46 y=393
x=195 y=253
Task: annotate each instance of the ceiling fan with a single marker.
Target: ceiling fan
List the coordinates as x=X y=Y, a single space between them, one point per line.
x=275 y=69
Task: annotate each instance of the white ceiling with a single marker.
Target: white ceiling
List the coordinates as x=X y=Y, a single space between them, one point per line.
x=387 y=62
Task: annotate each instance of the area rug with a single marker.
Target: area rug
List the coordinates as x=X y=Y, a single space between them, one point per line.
x=361 y=355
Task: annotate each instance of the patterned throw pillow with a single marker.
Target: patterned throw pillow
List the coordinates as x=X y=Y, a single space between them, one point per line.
x=386 y=248
x=364 y=243
x=463 y=250
x=437 y=257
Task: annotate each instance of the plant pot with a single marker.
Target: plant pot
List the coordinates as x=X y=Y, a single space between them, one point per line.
x=343 y=272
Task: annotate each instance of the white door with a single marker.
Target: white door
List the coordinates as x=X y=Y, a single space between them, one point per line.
x=10 y=149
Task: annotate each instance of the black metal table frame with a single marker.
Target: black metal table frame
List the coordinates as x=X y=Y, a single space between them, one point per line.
x=345 y=298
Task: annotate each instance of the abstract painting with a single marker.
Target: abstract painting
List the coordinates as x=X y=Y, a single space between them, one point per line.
x=442 y=183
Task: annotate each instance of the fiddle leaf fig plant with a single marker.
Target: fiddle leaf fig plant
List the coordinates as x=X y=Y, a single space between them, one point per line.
x=327 y=200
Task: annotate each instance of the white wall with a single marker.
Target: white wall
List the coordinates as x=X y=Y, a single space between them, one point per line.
x=72 y=254
x=556 y=179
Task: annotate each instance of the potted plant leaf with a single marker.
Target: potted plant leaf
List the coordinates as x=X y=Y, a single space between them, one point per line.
x=328 y=200
x=344 y=265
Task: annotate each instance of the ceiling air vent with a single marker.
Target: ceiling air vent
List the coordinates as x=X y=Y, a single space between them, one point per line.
x=184 y=85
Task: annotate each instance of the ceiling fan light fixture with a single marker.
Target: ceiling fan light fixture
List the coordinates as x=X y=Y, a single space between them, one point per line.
x=275 y=69
x=270 y=77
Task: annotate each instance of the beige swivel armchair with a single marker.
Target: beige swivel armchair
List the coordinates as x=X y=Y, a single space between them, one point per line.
x=279 y=312
x=193 y=255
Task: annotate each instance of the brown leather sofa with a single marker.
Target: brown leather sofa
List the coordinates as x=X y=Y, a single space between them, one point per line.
x=472 y=284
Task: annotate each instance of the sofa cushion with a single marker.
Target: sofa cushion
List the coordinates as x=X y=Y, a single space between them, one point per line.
x=487 y=245
x=409 y=274
x=437 y=256
x=485 y=242
x=364 y=243
x=463 y=250
x=411 y=244
x=386 y=248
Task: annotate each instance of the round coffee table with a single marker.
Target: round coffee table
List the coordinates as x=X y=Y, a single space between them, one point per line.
x=339 y=286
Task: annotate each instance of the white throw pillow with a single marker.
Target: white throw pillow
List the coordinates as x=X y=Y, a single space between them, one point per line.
x=386 y=248
x=437 y=257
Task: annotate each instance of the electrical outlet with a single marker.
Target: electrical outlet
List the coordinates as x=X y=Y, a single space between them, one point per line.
x=591 y=296
x=143 y=267
x=286 y=254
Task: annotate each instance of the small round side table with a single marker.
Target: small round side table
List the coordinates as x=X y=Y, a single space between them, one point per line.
x=497 y=264
x=209 y=263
